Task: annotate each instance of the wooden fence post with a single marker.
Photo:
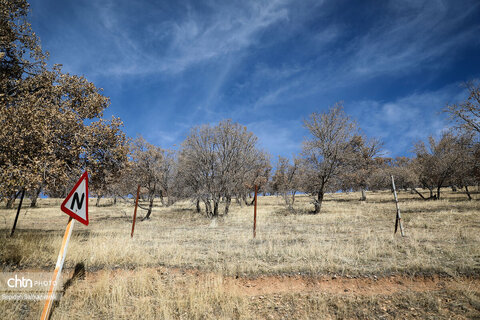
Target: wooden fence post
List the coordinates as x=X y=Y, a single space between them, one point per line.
x=398 y=219
x=255 y=213
x=18 y=213
x=135 y=212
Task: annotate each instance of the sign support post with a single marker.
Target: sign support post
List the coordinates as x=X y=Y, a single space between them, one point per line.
x=76 y=206
x=58 y=269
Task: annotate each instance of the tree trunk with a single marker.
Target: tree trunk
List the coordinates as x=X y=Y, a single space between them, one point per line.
x=197 y=205
x=161 y=198
x=150 y=206
x=12 y=199
x=215 y=207
x=438 y=193
x=35 y=195
x=468 y=193
x=364 y=196
x=318 y=202
x=289 y=201
x=208 y=208
x=244 y=197
x=98 y=201
x=293 y=197
x=10 y=202
x=227 y=204
x=114 y=200
x=170 y=199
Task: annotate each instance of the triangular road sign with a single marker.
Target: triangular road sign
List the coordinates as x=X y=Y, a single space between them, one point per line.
x=76 y=203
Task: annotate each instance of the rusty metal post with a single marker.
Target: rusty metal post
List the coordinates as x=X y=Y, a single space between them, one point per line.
x=255 y=213
x=135 y=212
x=18 y=213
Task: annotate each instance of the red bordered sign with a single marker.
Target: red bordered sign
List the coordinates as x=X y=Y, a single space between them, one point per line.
x=76 y=203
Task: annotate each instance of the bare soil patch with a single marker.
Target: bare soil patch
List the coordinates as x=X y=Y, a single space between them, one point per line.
x=341 y=285
x=285 y=284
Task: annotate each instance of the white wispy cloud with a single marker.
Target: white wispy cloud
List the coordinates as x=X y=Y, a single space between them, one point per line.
x=408 y=119
x=188 y=39
x=281 y=59
x=411 y=37
x=410 y=34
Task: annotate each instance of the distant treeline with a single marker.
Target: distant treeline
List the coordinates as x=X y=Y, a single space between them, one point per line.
x=52 y=129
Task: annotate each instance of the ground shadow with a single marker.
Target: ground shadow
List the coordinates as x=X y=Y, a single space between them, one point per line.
x=435 y=209
x=78 y=274
x=124 y=218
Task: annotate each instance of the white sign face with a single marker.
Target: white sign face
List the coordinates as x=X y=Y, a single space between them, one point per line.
x=76 y=203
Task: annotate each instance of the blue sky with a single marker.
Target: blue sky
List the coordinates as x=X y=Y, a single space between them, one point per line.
x=171 y=65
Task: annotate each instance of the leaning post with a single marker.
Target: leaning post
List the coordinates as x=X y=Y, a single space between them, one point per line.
x=255 y=213
x=18 y=213
x=135 y=212
x=398 y=219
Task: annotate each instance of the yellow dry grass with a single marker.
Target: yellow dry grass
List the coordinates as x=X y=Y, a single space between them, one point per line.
x=129 y=278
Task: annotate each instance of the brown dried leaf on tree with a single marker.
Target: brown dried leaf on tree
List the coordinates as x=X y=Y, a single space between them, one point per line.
x=45 y=141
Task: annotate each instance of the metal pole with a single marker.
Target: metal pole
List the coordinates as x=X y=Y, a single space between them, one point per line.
x=255 y=213
x=398 y=219
x=58 y=269
x=18 y=213
x=135 y=212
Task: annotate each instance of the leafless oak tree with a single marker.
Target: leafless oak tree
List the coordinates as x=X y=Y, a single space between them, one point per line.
x=360 y=163
x=220 y=162
x=150 y=168
x=467 y=113
x=325 y=154
x=437 y=164
x=287 y=180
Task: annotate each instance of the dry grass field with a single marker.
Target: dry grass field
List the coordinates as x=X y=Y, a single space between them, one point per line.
x=343 y=263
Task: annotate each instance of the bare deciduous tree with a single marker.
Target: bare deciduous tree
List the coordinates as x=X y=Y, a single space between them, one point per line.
x=286 y=180
x=437 y=163
x=149 y=165
x=220 y=162
x=326 y=152
x=467 y=113
x=360 y=163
